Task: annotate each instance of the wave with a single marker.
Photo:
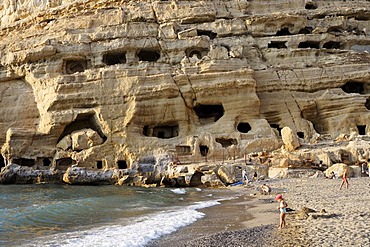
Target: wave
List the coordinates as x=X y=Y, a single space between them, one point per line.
x=138 y=233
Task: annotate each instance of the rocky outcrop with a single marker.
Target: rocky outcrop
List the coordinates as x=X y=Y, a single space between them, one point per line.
x=105 y=85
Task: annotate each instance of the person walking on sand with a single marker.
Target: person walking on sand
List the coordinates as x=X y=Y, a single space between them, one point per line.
x=344 y=179
x=282 y=208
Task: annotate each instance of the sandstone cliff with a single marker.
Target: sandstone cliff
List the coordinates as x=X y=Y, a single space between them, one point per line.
x=141 y=86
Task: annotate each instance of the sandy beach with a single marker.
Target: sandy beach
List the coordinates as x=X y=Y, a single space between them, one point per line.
x=332 y=217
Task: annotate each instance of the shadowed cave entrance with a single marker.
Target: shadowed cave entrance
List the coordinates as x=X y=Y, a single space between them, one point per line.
x=72 y=66
x=361 y=129
x=148 y=55
x=309 y=44
x=2 y=161
x=353 y=87
x=244 y=127
x=209 y=113
x=83 y=121
x=113 y=58
x=277 y=44
x=162 y=131
x=226 y=142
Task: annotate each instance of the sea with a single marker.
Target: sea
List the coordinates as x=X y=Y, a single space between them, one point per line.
x=70 y=215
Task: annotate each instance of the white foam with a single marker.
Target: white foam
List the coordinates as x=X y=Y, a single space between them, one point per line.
x=136 y=234
x=180 y=191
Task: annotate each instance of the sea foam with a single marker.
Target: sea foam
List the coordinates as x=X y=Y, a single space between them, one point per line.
x=137 y=233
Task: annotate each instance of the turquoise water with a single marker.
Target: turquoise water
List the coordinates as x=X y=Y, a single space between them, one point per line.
x=63 y=215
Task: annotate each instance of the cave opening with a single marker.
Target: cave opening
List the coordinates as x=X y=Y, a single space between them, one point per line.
x=198 y=52
x=353 y=87
x=196 y=179
x=310 y=5
x=332 y=45
x=166 y=131
x=225 y=142
x=83 y=121
x=244 y=127
x=113 y=58
x=309 y=44
x=361 y=129
x=335 y=30
x=203 y=150
x=72 y=66
x=24 y=162
x=64 y=163
x=99 y=164
x=2 y=162
x=367 y=104
x=122 y=164
x=148 y=55
x=283 y=32
x=277 y=44
x=277 y=127
x=208 y=33
x=209 y=112
x=46 y=161
x=300 y=134
x=305 y=30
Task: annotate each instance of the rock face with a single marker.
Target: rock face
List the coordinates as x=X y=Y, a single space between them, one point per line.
x=119 y=84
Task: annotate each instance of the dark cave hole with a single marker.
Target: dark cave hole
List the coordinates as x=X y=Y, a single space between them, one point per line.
x=114 y=58
x=64 y=163
x=198 y=52
x=75 y=65
x=99 y=164
x=300 y=134
x=277 y=44
x=213 y=112
x=148 y=55
x=122 y=164
x=24 y=162
x=46 y=161
x=361 y=129
x=353 y=87
x=305 y=30
x=244 y=127
x=332 y=45
x=2 y=161
x=283 y=32
x=196 y=179
x=203 y=150
x=208 y=33
x=309 y=44
x=335 y=30
x=166 y=131
x=367 y=104
x=310 y=6
x=226 y=142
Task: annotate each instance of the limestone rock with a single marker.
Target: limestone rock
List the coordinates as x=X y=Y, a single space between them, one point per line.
x=290 y=139
x=225 y=175
x=82 y=175
x=338 y=170
x=200 y=82
x=84 y=139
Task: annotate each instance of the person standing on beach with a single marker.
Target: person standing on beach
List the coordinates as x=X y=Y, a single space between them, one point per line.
x=282 y=208
x=344 y=179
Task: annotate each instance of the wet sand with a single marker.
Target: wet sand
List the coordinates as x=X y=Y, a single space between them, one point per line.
x=252 y=220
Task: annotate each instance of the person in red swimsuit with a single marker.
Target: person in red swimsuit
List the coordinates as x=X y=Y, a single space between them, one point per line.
x=344 y=179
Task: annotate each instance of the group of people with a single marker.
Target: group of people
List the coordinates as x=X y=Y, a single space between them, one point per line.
x=245 y=179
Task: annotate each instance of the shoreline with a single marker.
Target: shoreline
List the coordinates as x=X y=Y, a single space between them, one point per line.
x=338 y=217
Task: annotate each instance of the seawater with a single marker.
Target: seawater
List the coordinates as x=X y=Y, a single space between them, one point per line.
x=64 y=215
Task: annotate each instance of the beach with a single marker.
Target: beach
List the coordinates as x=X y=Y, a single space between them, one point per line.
x=331 y=217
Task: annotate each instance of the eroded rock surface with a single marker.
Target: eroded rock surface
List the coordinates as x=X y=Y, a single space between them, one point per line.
x=109 y=85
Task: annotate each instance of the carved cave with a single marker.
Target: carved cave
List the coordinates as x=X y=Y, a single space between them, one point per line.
x=209 y=112
x=113 y=58
x=75 y=65
x=148 y=55
x=244 y=127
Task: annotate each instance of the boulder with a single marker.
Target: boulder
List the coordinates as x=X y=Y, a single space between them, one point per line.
x=84 y=139
x=226 y=176
x=338 y=170
x=83 y=175
x=290 y=139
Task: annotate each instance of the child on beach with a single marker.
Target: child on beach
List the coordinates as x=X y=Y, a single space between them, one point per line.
x=282 y=208
x=344 y=179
